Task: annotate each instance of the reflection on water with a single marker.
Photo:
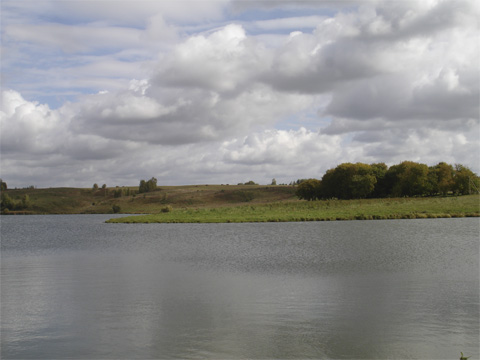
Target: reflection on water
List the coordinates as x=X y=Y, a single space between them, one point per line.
x=74 y=287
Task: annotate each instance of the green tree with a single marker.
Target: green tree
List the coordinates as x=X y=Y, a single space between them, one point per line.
x=445 y=174
x=465 y=180
x=274 y=182
x=118 y=192
x=6 y=202
x=142 y=187
x=408 y=179
x=3 y=185
x=105 y=190
x=379 y=170
x=25 y=202
x=147 y=186
x=348 y=181
x=309 y=189
x=95 y=187
x=432 y=181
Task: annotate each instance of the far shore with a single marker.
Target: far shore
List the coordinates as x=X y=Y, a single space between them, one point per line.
x=233 y=204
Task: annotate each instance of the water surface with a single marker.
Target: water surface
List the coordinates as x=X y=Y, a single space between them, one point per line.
x=75 y=287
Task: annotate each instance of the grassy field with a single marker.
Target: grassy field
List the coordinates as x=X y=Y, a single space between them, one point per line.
x=234 y=203
x=328 y=210
x=88 y=201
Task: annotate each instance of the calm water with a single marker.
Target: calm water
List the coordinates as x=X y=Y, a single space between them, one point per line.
x=75 y=287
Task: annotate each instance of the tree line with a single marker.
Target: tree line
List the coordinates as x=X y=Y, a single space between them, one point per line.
x=359 y=180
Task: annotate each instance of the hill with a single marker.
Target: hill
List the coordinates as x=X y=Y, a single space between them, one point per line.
x=127 y=199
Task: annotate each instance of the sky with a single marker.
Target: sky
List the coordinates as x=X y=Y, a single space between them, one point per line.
x=228 y=91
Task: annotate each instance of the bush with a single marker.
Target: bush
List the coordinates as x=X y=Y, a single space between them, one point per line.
x=166 y=209
x=115 y=209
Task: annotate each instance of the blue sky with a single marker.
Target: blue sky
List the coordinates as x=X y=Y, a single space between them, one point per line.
x=229 y=91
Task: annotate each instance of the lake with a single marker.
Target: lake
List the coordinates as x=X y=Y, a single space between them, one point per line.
x=75 y=287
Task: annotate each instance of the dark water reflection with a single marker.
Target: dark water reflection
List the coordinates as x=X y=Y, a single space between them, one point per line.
x=74 y=287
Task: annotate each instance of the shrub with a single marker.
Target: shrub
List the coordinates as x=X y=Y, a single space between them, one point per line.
x=166 y=209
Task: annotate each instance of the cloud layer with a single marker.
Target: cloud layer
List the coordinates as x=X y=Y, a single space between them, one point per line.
x=226 y=92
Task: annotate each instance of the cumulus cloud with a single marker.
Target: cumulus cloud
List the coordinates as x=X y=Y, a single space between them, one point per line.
x=211 y=92
x=26 y=126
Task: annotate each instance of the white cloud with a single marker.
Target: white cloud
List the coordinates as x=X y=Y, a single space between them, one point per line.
x=240 y=99
x=26 y=126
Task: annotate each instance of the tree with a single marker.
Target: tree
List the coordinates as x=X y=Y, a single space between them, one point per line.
x=407 y=179
x=309 y=189
x=105 y=190
x=118 y=192
x=349 y=181
x=25 y=202
x=465 y=180
x=432 y=181
x=6 y=203
x=95 y=187
x=379 y=170
x=445 y=174
x=274 y=181
x=3 y=185
x=147 y=186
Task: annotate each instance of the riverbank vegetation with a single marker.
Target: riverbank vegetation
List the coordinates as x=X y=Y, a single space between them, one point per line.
x=349 y=191
x=322 y=210
x=407 y=179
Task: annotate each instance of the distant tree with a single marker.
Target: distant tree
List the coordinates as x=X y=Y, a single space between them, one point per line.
x=445 y=174
x=309 y=189
x=432 y=181
x=349 y=181
x=105 y=190
x=25 y=204
x=6 y=203
x=3 y=185
x=274 y=182
x=251 y=182
x=147 y=186
x=118 y=193
x=465 y=180
x=379 y=170
x=95 y=187
x=408 y=179
x=142 y=187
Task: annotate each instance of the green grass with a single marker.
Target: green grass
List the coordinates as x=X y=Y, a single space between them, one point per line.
x=327 y=210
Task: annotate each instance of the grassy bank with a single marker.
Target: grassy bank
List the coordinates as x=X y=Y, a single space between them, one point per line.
x=402 y=208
